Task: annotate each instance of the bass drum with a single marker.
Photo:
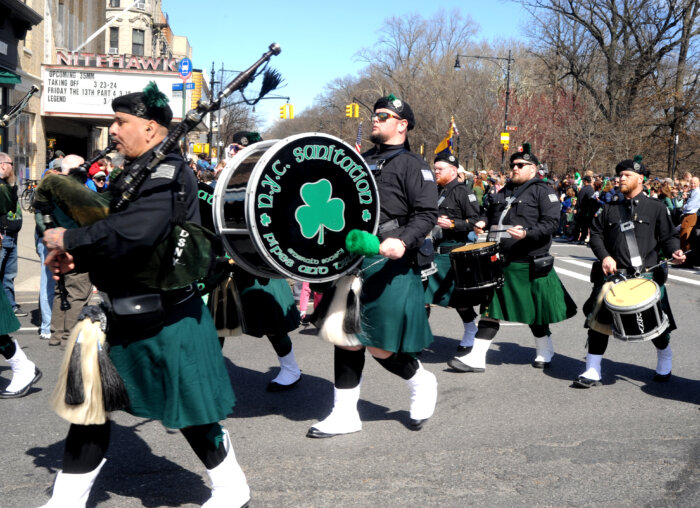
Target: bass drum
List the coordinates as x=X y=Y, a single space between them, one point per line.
x=284 y=207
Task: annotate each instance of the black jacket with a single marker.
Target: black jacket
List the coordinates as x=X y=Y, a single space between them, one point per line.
x=407 y=193
x=537 y=208
x=458 y=203
x=653 y=229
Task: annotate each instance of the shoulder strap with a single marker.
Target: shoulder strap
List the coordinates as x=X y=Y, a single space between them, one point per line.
x=509 y=204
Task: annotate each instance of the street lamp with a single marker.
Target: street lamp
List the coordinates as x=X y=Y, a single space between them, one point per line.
x=505 y=116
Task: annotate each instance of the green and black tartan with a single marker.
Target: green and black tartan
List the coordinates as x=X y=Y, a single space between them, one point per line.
x=393 y=313
x=539 y=301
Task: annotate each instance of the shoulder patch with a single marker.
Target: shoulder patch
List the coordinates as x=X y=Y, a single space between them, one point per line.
x=427 y=175
x=166 y=171
x=472 y=197
x=553 y=198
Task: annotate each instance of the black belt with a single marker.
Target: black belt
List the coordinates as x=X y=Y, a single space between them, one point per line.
x=391 y=225
x=171 y=298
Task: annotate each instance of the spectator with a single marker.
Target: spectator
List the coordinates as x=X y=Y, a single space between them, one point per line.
x=10 y=224
x=46 y=282
x=689 y=216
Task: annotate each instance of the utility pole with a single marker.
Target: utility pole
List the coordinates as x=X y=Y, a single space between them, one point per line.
x=212 y=83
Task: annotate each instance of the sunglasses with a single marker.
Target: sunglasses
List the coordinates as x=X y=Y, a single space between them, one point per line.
x=100 y=179
x=519 y=165
x=383 y=117
x=7 y=162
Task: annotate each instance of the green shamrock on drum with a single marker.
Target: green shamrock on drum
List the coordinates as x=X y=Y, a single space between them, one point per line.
x=320 y=211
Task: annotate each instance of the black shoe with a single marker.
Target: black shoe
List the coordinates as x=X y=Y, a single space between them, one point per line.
x=417 y=424
x=276 y=387
x=464 y=349
x=18 y=311
x=541 y=365
x=317 y=434
x=15 y=395
x=662 y=378
x=463 y=367
x=584 y=382
x=305 y=320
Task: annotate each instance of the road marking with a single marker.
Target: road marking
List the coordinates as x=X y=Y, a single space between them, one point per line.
x=28 y=329
x=575 y=275
x=684 y=280
x=575 y=262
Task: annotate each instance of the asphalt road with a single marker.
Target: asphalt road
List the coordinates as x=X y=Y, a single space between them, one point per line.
x=512 y=436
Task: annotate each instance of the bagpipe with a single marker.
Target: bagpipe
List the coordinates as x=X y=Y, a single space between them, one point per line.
x=15 y=110
x=89 y=387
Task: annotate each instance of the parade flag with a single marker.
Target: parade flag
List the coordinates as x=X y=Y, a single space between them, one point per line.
x=447 y=144
x=358 y=141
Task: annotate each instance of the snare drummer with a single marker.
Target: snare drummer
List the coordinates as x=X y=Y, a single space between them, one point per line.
x=523 y=216
x=653 y=230
x=458 y=214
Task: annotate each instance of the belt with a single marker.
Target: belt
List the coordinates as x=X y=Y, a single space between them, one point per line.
x=176 y=296
x=392 y=224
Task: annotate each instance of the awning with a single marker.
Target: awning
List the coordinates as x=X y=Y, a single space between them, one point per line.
x=9 y=78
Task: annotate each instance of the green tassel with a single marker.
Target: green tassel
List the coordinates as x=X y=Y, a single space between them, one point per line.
x=154 y=98
x=362 y=242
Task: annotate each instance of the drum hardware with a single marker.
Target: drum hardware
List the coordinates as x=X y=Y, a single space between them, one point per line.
x=635 y=305
x=478 y=270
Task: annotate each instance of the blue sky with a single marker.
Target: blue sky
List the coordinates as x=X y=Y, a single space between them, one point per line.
x=319 y=39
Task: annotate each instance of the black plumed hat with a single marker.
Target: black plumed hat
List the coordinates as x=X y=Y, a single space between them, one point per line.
x=447 y=156
x=632 y=165
x=401 y=108
x=526 y=155
x=150 y=104
x=245 y=138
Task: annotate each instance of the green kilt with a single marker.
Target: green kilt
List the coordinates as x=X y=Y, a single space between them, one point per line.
x=539 y=301
x=8 y=321
x=268 y=305
x=177 y=376
x=393 y=313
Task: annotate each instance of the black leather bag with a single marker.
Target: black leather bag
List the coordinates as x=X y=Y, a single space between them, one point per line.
x=426 y=253
x=540 y=266
x=142 y=313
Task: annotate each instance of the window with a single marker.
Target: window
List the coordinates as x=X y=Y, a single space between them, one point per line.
x=113 y=40
x=137 y=38
x=114 y=3
x=141 y=5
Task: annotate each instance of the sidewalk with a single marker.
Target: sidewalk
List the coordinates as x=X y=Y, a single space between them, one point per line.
x=28 y=273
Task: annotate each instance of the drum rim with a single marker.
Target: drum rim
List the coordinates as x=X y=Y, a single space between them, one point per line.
x=643 y=305
x=219 y=190
x=250 y=206
x=457 y=251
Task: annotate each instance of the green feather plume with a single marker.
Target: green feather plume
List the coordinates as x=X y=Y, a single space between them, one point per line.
x=391 y=97
x=362 y=242
x=637 y=159
x=154 y=98
x=527 y=148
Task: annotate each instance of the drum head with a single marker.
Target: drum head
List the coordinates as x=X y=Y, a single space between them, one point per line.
x=303 y=194
x=632 y=293
x=474 y=246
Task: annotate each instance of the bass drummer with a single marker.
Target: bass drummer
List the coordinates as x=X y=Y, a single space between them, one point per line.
x=458 y=214
x=522 y=217
x=626 y=236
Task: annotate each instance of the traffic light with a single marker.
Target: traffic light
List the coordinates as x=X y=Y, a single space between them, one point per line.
x=352 y=110
x=356 y=109
x=283 y=112
x=505 y=147
x=287 y=111
x=291 y=111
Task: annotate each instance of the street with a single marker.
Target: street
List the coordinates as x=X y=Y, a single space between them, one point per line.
x=512 y=436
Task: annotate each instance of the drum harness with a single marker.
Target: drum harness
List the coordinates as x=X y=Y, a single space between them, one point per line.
x=627 y=228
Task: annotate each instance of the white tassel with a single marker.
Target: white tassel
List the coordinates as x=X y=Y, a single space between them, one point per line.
x=336 y=329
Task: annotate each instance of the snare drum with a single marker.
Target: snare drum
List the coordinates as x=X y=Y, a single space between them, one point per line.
x=636 y=308
x=477 y=266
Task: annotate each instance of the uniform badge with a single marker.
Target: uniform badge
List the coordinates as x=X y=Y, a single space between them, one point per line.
x=427 y=175
x=164 y=171
x=553 y=198
x=472 y=197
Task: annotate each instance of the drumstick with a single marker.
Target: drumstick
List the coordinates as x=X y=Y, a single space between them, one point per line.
x=505 y=230
x=664 y=262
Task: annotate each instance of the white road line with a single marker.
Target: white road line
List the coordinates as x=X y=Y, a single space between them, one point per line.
x=684 y=280
x=575 y=262
x=572 y=274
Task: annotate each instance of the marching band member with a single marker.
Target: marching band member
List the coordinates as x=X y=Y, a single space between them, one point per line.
x=527 y=210
x=392 y=295
x=458 y=214
x=614 y=245
x=172 y=366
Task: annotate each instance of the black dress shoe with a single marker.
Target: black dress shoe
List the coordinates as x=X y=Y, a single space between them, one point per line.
x=464 y=350
x=417 y=424
x=21 y=393
x=541 y=365
x=662 y=378
x=317 y=434
x=584 y=382
x=463 y=367
x=276 y=387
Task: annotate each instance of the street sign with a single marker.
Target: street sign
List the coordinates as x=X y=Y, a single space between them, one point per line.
x=184 y=68
x=178 y=86
x=511 y=128
x=505 y=138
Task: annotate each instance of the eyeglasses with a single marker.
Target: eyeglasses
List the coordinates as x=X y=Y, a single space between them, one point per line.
x=100 y=179
x=519 y=165
x=8 y=162
x=383 y=117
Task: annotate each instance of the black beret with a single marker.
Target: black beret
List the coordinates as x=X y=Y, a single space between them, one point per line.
x=245 y=138
x=401 y=108
x=587 y=179
x=632 y=165
x=446 y=156
x=151 y=104
x=526 y=155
